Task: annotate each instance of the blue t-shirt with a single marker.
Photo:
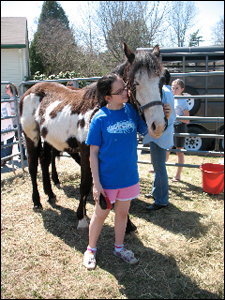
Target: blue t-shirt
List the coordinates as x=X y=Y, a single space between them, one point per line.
x=166 y=140
x=115 y=132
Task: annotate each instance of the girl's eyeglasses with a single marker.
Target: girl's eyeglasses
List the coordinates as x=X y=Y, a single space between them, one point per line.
x=120 y=92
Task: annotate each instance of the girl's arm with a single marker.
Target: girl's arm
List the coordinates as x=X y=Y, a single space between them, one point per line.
x=186 y=114
x=97 y=187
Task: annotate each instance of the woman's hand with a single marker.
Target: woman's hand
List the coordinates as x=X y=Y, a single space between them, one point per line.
x=167 y=110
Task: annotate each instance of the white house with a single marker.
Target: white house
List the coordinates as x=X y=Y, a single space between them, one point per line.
x=15 y=62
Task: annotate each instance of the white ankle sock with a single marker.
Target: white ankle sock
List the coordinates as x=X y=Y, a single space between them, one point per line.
x=93 y=250
x=119 y=247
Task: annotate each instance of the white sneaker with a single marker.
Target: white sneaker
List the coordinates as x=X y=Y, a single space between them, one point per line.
x=89 y=260
x=126 y=255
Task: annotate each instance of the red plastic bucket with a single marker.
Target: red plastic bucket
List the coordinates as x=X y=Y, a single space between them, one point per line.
x=212 y=178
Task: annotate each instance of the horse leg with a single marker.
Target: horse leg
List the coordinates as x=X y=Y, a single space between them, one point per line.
x=85 y=186
x=130 y=226
x=33 y=154
x=76 y=157
x=55 y=177
x=45 y=160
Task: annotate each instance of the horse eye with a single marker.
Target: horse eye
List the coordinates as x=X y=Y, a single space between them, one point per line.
x=136 y=83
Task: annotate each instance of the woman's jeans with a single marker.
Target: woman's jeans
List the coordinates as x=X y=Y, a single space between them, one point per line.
x=160 y=190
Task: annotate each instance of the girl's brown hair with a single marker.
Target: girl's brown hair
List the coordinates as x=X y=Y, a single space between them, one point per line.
x=104 y=87
x=180 y=82
x=10 y=86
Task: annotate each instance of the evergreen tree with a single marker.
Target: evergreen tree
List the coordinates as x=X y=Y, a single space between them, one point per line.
x=53 y=10
x=35 y=57
x=53 y=47
x=195 y=39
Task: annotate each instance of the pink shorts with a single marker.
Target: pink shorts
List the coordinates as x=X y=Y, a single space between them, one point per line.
x=123 y=194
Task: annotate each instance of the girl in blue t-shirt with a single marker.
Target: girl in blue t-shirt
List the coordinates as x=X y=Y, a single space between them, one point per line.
x=113 y=159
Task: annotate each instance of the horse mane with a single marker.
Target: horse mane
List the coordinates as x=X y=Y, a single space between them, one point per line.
x=147 y=61
x=122 y=70
x=90 y=91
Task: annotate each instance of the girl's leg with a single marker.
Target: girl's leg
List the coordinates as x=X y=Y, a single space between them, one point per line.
x=121 y=212
x=95 y=228
x=96 y=224
x=167 y=156
x=180 y=161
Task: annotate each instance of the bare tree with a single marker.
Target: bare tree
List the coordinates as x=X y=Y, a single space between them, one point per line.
x=88 y=34
x=135 y=22
x=181 y=19
x=218 y=33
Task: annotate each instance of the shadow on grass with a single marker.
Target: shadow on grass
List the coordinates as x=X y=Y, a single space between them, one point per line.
x=155 y=276
x=172 y=219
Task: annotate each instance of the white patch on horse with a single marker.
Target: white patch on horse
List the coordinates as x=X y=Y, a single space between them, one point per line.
x=29 y=124
x=61 y=127
x=82 y=132
x=64 y=126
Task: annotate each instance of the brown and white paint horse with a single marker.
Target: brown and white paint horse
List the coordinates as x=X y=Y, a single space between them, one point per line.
x=62 y=116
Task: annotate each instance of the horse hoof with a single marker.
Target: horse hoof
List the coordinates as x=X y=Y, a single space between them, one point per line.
x=52 y=200
x=37 y=208
x=131 y=228
x=58 y=185
x=82 y=224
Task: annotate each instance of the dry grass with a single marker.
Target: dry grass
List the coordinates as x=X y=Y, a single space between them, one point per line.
x=180 y=248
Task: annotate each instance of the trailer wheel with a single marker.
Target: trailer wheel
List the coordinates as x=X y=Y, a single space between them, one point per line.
x=193 y=104
x=195 y=143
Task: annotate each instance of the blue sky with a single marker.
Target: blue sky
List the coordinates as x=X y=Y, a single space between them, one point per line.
x=210 y=13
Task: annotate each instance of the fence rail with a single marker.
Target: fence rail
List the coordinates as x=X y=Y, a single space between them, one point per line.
x=15 y=129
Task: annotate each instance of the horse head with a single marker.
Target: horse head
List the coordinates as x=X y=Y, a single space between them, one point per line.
x=144 y=74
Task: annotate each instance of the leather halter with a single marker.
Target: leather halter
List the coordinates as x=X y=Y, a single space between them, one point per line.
x=143 y=107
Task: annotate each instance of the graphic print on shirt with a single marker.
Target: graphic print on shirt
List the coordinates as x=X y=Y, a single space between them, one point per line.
x=121 y=127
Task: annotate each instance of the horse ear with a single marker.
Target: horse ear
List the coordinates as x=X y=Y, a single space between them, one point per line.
x=156 y=51
x=129 y=54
